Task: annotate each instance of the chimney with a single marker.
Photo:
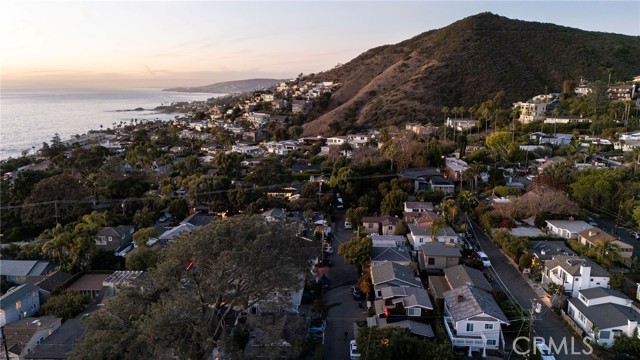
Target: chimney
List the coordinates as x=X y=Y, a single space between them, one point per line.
x=460 y=298
x=592 y=233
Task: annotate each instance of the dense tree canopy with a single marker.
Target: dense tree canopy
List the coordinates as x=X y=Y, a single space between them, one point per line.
x=191 y=300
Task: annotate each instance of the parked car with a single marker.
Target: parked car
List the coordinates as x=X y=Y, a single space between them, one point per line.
x=353 y=350
x=316 y=327
x=636 y=235
x=347 y=225
x=543 y=350
x=328 y=249
x=484 y=258
x=357 y=293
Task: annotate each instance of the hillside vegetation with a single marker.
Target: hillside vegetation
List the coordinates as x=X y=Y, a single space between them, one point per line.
x=467 y=63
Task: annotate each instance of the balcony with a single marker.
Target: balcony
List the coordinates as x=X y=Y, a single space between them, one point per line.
x=463 y=341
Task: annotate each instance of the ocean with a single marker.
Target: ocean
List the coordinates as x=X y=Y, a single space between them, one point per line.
x=29 y=117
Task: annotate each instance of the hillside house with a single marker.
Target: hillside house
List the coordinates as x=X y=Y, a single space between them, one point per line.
x=383 y=225
x=115 y=238
x=461 y=124
x=591 y=237
x=19 y=271
x=531 y=111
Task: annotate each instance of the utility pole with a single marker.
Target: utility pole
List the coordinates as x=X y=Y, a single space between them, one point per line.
x=536 y=307
x=617 y=219
x=4 y=342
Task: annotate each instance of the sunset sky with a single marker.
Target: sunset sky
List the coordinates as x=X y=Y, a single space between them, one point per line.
x=179 y=43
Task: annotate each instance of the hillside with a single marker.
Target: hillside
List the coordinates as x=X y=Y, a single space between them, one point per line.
x=466 y=63
x=230 y=87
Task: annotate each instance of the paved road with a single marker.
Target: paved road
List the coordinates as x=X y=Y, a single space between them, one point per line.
x=549 y=326
x=343 y=310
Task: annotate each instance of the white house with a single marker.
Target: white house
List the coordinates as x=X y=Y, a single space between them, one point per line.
x=531 y=111
x=574 y=273
x=419 y=235
x=418 y=206
x=603 y=314
x=461 y=124
x=567 y=229
x=336 y=140
x=473 y=319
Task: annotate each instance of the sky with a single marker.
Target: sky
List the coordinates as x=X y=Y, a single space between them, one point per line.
x=123 y=44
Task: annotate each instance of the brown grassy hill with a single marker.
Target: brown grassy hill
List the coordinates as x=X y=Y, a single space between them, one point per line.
x=466 y=63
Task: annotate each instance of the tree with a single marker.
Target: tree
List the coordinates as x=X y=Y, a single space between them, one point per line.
x=228 y=164
x=393 y=202
x=143 y=235
x=179 y=208
x=396 y=343
x=54 y=200
x=450 y=211
x=605 y=253
x=467 y=200
x=143 y=217
x=65 y=305
x=205 y=280
x=434 y=196
x=355 y=215
x=498 y=143
x=142 y=259
x=59 y=242
x=617 y=281
x=356 y=251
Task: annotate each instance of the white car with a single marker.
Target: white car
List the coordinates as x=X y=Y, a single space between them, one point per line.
x=353 y=350
x=347 y=225
x=484 y=258
x=543 y=350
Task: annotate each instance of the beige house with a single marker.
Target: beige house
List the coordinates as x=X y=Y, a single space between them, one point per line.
x=590 y=238
x=438 y=256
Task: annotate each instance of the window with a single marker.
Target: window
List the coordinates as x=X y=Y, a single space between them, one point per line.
x=18 y=305
x=491 y=342
x=431 y=261
x=605 y=334
x=469 y=327
x=110 y=238
x=413 y=312
x=488 y=326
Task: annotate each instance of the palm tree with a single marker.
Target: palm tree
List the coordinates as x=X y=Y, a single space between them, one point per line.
x=61 y=238
x=445 y=112
x=605 y=253
x=473 y=172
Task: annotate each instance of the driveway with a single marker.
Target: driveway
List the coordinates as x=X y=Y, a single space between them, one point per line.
x=547 y=325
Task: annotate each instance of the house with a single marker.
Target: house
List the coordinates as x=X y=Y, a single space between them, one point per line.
x=414 y=327
x=422 y=235
x=402 y=303
x=591 y=237
x=531 y=111
x=19 y=271
x=418 y=206
x=392 y=274
x=119 y=279
x=621 y=92
x=275 y=214
x=89 y=284
x=281 y=300
x=298 y=106
x=461 y=124
x=48 y=283
x=115 y=238
x=547 y=250
x=603 y=314
x=457 y=276
x=421 y=129
x=567 y=229
x=423 y=219
x=438 y=256
x=198 y=219
x=455 y=168
x=23 y=336
x=473 y=319
x=18 y=303
x=445 y=185
x=359 y=140
x=398 y=254
x=336 y=140
x=420 y=177
x=384 y=225
x=387 y=240
x=574 y=273
x=566 y=120
x=176 y=231
x=630 y=136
